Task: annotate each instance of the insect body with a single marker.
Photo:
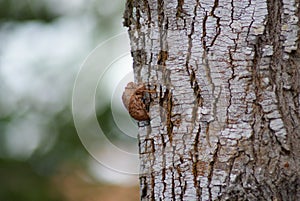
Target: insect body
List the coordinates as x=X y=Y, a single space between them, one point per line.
x=133 y=100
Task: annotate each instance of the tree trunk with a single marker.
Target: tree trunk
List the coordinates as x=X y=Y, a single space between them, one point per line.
x=225 y=123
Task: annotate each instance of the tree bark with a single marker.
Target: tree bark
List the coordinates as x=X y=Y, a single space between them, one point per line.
x=225 y=123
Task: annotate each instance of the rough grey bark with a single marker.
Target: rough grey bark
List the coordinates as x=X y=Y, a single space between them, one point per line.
x=225 y=123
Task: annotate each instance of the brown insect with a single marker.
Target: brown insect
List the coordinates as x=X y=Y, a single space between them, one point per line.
x=133 y=100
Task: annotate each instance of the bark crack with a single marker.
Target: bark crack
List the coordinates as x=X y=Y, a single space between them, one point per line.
x=190 y=43
x=204 y=32
x=166 y=102
x=195 y=158
x=218 y=26
x=164 y=176
x=148 y=10
x=180 y=11
x=197 y=90
x=211 y=169
x=232 y=76
x=152 y=186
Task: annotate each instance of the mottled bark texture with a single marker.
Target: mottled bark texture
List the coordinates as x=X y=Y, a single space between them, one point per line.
x=225 y=123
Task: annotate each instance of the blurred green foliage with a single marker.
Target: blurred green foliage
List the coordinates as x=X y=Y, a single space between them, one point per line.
x=25 y=10
x=29 y=179
x=19 y=181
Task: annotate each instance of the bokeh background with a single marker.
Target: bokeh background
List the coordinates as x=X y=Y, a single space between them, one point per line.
x=43 y=43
